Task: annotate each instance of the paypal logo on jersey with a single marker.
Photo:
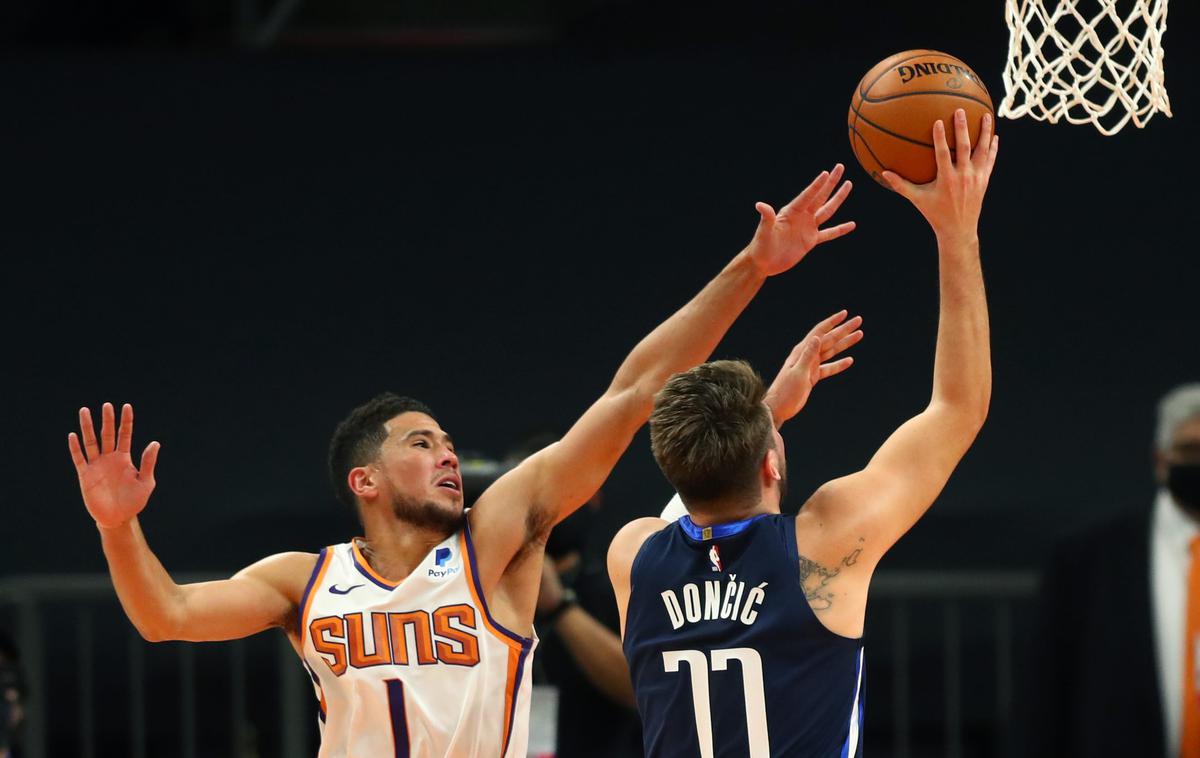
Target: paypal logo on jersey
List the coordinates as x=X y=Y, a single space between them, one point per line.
x=441 y=557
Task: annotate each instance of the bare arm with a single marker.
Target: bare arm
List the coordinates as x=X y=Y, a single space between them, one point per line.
x=621 y=552
x=880 y=503
x=551 y=484
x=258 y=597
x=595 y=648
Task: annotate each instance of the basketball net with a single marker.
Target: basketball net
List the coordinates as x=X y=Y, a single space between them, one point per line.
x=1102 y=67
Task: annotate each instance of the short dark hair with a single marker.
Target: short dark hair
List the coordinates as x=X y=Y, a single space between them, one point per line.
x=357 y=439
x=710 y=430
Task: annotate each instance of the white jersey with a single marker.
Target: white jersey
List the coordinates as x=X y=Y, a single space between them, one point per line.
x=413 y=669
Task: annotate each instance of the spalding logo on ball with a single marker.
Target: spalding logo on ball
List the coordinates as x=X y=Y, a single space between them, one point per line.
x=896 y=104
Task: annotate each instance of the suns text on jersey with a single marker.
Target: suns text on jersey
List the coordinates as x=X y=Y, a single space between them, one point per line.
x=718 y=600
x=448 y=635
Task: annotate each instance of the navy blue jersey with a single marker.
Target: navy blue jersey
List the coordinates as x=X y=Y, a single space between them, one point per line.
x=726 y=655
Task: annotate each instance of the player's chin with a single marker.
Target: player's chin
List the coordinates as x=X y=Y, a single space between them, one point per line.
x=453 y=498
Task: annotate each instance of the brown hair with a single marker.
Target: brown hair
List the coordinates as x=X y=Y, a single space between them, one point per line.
x=710 y=430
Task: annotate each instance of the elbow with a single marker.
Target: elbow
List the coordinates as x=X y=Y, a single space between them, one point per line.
x=969 y=406
x=152 y=634
x=160 y=630
x=966 y=417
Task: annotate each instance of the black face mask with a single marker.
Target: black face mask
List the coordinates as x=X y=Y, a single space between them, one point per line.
x=1183 y=481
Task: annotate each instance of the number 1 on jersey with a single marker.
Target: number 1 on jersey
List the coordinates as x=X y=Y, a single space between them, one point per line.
x=752 y=690
x=395 y=695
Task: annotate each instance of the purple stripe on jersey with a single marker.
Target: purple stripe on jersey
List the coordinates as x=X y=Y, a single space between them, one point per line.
x=395 y=690
x=321 y=558
x=512 y=708
x=524 y=641
x=362 y=570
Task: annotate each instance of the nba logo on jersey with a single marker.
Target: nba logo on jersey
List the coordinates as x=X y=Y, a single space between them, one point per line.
x=715 y=557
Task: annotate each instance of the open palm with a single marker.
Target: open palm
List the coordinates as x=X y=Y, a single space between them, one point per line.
x=784 y=238
x=809 y=363
x=114 y=491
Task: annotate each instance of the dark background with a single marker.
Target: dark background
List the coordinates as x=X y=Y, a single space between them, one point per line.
x=487 y=210
x=245 y=243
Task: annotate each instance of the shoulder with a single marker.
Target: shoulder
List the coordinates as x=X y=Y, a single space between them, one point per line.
x=286 y=572
x=629 y=541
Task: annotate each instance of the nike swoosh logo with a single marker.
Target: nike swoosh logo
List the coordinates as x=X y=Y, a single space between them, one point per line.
x=334 y=589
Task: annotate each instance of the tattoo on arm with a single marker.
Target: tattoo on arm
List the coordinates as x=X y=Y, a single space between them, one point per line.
x=815 y=578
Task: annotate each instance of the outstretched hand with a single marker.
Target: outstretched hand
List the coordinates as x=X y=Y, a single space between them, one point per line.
x=951 y=203
x=113 y=490
x=809 y=363
x=784 y=238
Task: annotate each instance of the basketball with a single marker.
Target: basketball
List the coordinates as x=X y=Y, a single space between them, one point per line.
x=896 y=104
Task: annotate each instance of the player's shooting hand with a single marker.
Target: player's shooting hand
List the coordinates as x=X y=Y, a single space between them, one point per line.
x=113 y=490
x=951 y=203
x=784 y=238
x=809 y=363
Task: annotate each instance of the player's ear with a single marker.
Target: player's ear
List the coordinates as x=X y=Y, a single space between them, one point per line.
x=363 y=482
x=772 y=466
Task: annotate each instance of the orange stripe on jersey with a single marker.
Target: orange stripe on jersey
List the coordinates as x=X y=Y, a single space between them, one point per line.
x=510 y=692
x=515 y=647
x=319 y=570
x=356 y=641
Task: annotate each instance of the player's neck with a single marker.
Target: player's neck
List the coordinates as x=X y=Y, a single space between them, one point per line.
x=725 y=512
x=395 y=548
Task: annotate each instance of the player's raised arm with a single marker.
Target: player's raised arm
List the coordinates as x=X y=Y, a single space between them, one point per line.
x=548 y=486
x=901 y=481
x=115 y=492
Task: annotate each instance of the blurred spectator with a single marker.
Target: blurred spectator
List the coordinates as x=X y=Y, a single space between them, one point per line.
x=11 y=698
x=1116 y=643
x=581 y=647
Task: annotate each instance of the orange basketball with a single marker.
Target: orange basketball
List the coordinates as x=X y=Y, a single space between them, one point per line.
x=896 y=104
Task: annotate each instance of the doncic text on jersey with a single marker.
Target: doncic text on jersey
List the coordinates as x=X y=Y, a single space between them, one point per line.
x=728 y=600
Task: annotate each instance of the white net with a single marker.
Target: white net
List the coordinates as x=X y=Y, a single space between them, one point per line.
x=1085 y=61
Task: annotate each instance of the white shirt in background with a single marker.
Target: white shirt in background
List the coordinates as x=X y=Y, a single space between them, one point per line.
x=1171 y=533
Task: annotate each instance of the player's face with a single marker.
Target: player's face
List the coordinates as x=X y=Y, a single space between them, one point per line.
x=420 y=471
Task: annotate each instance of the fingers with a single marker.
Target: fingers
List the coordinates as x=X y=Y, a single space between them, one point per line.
x=149 y=459
x=819 y=189
x=766 y=214
x=88 y=430
x=941 y=150
x=810 y=353
x=844 y=337
x=108 y=429
x=832 y=335
x=899 y=185
x=826 y=211
x=980 y=155
x=829 y=322
x=125 y=433
x=76 y=453
x=992 y=150
x=962 y=138
x=836 y=367
x=842 y=345
x=834 y=232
